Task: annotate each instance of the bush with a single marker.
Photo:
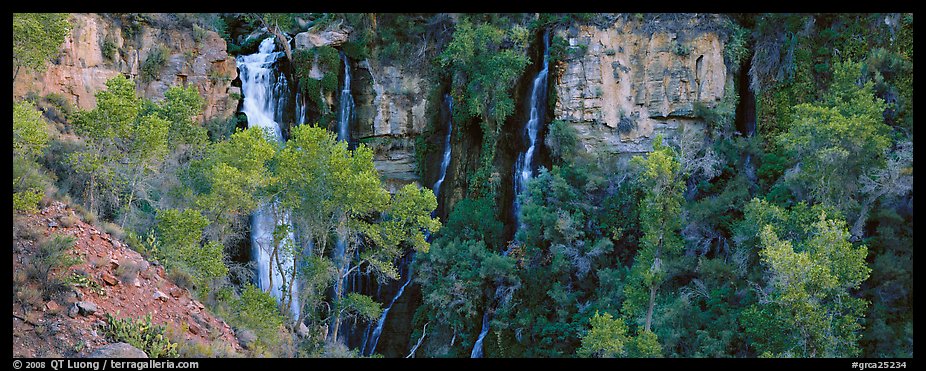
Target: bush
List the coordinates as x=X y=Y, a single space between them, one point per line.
x=626 y=124
x=128 y=270
x=329 y=63
x=114 y=230
x=156 y=60
x=30 y=295
x=562 y=140
x=199 y=33
x=68 y=221
x=220 y=129
x=53 y=254
x=255 y=310
x=108 y=48
x=142 y=335
x=27 y=201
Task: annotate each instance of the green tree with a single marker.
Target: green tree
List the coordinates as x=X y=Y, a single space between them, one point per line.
x=335 y=194
x=148 y=150
x=810 y=310
x=180 y=106
x=229 y=181
x=484 y=61
x=660 y=222
x=37 y=38
x=606 y=339
x=180 y=233
x=837 y=141
x=107 y=134
x=30 y=138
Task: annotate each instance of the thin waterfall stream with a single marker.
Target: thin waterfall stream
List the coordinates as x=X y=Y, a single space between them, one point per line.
x=369 y=345
x=525 y=164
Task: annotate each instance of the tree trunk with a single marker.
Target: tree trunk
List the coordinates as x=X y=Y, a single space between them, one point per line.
x=336 y=320
x=282 y=39
x=858 y=229
x=649 y=311
x=129 y=203
x=292 y=280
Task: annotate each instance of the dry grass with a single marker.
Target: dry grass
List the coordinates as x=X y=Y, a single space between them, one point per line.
x=128 y=271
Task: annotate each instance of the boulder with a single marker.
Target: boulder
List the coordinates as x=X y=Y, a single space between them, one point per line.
x=158 y=295
x=52 y=306
x=85 y=307
x=302 y=330
x=246 y=338
x=333 y=35
x=110 y=279
x=118 y=350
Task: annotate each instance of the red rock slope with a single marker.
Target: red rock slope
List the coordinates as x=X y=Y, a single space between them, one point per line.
x=57 y=328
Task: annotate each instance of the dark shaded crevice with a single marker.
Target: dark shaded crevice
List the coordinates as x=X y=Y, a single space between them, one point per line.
x=513 y=139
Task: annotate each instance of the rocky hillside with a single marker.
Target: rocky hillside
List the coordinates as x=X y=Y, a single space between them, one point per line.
x=638 y=78
x=102 y=46
x=110 y=279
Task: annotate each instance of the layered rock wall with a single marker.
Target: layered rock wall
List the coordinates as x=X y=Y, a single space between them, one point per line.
x=638 y=78
x=81 y=70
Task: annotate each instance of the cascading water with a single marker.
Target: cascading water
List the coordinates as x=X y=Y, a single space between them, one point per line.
x=346 y=106
x=345 y=114
x=477 y=347
x=373 y=340
x=370 y=345
x=264 y=97
x=524 y=166
x=445 y=161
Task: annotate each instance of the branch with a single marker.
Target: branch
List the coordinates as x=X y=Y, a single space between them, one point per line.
x=424 y=332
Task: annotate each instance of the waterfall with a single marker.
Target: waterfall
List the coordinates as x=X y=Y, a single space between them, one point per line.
x=374 y=337
x=345 y=114
x=264 y=91
x=300 y=108
x=445 y=161
x=477 y=347
x=346 y=106
x=369 y=345
x=524 y=166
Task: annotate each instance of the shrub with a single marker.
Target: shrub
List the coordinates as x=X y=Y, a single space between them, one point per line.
x=255 y=310
x=108 y=48
x=156 y=60
x=27 y=201
x=562 y=140
x=81 y=279
x=220 y=129
x=199 y=33
x=141 y=334
x=128 y=270
x=626 y=124
x=180 y=277
x=114 y=230
x=30 y=295
x=680 y=49
x=69 y=220
x=52 y=254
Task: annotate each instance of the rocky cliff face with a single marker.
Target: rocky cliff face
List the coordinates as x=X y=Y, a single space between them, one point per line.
x=391 y=112
x=391 y=104
x=638 y=78
x=81 y=69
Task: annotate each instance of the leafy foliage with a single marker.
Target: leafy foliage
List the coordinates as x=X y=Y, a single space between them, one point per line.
x=180 y=233
x=810 y=312
x=141 y=334
x=606 y=339
x=36 y=39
